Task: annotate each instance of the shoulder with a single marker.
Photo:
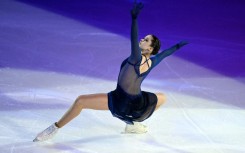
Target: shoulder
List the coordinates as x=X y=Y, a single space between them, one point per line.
x=134 y=62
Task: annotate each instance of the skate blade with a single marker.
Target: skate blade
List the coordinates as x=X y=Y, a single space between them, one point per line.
x=133 y=132
x=35 y=140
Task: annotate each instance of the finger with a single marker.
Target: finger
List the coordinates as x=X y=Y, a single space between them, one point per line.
x=140 y=6
x=182 y=43
x=185 y=42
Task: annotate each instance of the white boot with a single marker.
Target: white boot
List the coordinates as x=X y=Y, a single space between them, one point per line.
x=137 y=128
x=47 y=133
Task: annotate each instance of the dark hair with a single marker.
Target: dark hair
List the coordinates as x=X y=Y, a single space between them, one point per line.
x=156 y=44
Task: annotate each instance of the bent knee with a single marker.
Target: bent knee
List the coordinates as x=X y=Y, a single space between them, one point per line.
x=161 y=98
x=80 y=101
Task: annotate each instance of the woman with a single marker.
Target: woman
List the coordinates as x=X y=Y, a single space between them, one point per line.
x=127 y=102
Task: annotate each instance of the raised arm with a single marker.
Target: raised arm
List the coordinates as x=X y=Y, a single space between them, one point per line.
x=135 y=50
x=160 y=56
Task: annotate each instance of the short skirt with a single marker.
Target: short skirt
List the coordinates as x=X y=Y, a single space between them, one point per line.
x=131 y=108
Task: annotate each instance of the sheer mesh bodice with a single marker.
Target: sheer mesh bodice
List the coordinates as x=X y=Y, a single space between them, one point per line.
x=129 y=77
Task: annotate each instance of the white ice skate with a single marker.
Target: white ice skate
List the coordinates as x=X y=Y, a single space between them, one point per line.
x=137 y=128
x=47 y=133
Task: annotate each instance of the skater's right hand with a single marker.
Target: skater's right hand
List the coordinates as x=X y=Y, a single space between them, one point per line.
x=136 y=9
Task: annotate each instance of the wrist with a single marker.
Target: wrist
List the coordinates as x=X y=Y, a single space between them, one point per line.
x=178 y=46
x=134 y=16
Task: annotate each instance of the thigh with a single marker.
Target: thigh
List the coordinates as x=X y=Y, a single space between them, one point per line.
x=94 y=101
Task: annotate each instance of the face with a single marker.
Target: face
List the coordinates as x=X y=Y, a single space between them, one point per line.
x=145 y=44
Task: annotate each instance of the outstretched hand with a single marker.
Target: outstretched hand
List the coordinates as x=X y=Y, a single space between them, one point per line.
x=136 y=9
x=183 y=43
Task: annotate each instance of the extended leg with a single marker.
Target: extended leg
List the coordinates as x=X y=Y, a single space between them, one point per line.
x=95 y=101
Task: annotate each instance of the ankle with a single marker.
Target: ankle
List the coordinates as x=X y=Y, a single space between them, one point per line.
x=56 y=124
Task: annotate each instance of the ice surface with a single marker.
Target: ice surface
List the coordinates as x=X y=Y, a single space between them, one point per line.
x=47 y=60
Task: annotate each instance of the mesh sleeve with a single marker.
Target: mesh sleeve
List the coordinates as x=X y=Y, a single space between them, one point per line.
x=135 y=50
x=160 y=56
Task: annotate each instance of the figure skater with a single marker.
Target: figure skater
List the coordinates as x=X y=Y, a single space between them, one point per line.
x=127 y=102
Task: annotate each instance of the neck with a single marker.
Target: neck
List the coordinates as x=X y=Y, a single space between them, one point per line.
x=147 y=55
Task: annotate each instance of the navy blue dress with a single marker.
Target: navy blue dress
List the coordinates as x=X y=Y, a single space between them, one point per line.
x=127 y=102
